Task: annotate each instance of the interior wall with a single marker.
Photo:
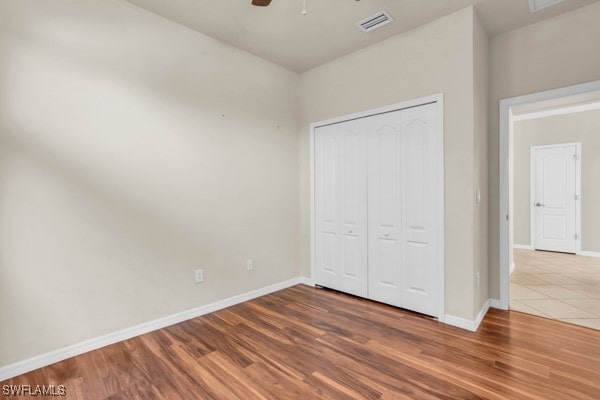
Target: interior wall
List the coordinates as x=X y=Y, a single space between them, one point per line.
x=132 y=151
x=551 y=54
x=581 y=127
x=434 y=58
x=480 y=112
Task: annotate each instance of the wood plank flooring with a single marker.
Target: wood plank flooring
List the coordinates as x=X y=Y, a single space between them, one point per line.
x=307 y=343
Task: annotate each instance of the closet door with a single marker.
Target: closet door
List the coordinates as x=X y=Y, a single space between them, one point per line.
x=385 y=200
x=341 y=207
x=403 y=218
x=421 y=282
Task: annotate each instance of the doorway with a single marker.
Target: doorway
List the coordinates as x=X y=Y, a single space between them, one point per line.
x=549 y=261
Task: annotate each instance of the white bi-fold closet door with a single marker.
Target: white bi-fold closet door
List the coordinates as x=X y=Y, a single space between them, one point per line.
x=341 y=206
x=377 y=214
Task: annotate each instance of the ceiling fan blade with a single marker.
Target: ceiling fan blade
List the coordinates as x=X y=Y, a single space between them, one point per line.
x=261 y=3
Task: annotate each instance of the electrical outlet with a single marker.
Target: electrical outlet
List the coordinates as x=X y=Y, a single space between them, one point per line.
x=249 y=264
x=477 y=280
x=199 y=274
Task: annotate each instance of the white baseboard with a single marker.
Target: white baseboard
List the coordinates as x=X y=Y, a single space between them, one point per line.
x=496 y=303
x=595 y=254
x=589 y=254
x=52 y=357
x=482 y=313
x=522 y=246
x=459 y=322
x=470 y=325
x=306 y=281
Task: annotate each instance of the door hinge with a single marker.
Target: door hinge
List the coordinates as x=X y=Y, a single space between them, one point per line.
x=576 y=157
x=576 y=197
x=576 y=236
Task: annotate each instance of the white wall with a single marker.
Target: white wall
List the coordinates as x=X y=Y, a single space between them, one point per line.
x=434 y=58
x=581 y=127
x=558 y=52
x=133 y=150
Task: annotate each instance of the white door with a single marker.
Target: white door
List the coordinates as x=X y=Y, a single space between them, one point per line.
x=385 y=208
x=404 y=218
x=341 y=207
x=554 y=197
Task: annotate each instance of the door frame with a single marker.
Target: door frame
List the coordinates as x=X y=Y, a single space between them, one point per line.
x=506 y=122
x=436 y=98
x=577 y=191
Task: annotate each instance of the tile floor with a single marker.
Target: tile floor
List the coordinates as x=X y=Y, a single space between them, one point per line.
x=556 y=285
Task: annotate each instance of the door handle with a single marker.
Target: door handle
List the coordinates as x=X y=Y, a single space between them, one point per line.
x=539 y=205
x=386 y=234
x=350 y=231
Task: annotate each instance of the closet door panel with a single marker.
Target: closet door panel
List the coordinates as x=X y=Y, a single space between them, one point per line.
x=419 y=280
x=415 y=169
x=353 y=207
x=385 y=160
x=385 y=244
x=327 y=208
x=340 y=181
x=386 y=257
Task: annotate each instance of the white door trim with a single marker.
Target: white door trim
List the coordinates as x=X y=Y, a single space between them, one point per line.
x=504 y=139
x=577 y=191
x=558 y=111
x=437 y=98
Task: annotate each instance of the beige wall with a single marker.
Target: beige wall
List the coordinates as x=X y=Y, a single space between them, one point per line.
x=434 y=58
x=581 y=127
x=480 y=112
x=133 y=150
x=554 y=53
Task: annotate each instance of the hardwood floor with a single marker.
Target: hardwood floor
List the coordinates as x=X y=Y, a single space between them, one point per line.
x=305 y=343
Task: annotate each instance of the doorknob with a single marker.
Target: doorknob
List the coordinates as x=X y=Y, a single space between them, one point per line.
x=539 y=205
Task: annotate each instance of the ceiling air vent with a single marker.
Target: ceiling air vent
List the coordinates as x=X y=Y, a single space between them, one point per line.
x=375 y=21
x=537 y=5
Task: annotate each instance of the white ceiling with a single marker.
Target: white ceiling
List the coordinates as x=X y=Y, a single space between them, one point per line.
x=280 y=33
